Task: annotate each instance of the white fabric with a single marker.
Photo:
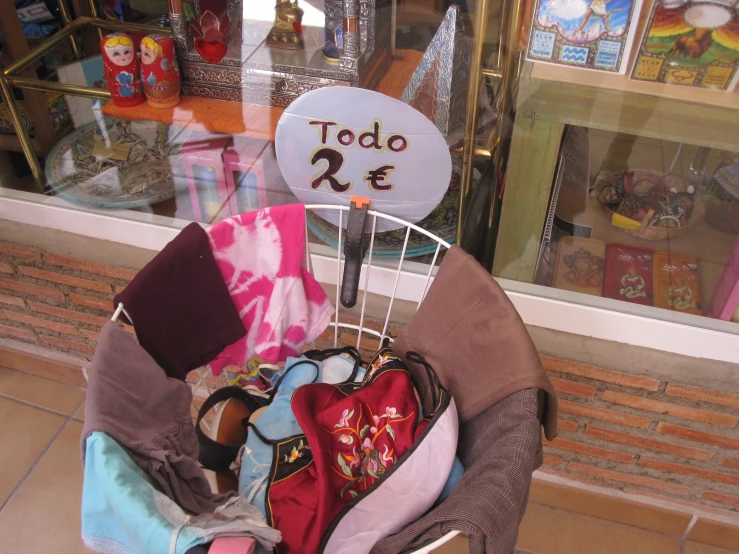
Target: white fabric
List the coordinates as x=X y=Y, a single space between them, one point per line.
x=411 y=490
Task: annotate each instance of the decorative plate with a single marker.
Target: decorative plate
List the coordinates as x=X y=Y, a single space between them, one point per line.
x=145 y=177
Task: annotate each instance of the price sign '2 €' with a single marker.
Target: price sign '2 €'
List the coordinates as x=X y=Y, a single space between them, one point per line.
x=337 y=142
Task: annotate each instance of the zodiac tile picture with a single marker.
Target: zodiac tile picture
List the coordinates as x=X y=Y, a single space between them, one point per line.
x=693 y=43
x=590 y=34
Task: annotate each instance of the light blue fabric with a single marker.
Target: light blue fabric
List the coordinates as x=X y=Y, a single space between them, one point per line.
x=120 y=509
x=122 y=513
x=278 y=421
x=454 y=476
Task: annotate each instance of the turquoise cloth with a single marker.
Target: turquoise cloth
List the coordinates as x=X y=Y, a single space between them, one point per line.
x=454 y=476
x=120 y=509
x=122 y=513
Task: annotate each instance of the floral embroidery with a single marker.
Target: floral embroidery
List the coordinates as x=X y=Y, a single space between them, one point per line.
x=390 y=413
x=343 y=422
x=378 y=362
x=296 y=452
x=366 y=462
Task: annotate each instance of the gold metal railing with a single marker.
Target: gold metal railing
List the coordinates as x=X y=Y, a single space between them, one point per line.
x=9 y=77
x=67 y=19
x=506 y=71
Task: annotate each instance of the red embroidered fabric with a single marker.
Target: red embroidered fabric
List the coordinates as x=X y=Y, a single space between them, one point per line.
x=352 y=437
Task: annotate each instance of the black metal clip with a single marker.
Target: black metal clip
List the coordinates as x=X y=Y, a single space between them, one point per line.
x=355 y=246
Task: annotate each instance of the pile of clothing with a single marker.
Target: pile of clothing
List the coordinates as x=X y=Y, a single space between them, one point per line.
x=438 y=432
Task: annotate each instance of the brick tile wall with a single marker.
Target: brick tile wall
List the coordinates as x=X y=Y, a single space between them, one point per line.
x=666 y=440
x=55 y=301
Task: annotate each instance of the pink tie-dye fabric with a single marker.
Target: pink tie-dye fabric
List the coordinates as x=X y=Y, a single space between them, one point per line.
x=282 y=306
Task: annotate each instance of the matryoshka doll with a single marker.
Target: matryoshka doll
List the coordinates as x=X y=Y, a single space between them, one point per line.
x=159 y=71
x=122 y=69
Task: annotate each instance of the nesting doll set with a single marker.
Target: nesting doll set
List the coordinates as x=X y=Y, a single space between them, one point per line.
x=138 y=70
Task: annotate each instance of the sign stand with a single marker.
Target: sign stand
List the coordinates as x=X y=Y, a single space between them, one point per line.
x=355 y=247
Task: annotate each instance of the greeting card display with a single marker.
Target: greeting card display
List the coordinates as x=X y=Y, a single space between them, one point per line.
x=628 y=274
x=693 y=43
x=580 y=265
x=590 y=34
x=676 y=283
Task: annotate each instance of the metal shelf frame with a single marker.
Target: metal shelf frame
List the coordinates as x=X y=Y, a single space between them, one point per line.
x=10 y=77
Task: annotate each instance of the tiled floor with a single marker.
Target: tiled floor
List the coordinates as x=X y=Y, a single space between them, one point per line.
x=40 y=465
x=41 y=483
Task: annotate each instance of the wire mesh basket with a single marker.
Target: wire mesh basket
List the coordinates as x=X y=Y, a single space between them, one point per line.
x=206 y=383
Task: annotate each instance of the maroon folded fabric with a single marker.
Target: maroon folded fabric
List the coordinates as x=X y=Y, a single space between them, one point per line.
x=181 y=308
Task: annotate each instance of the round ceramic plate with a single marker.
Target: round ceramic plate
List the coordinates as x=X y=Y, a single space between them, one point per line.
x=145 y=177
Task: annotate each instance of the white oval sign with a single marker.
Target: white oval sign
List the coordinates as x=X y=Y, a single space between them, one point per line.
x=337 y=142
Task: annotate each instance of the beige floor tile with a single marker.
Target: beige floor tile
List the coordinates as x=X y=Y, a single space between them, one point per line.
x=546 y=530
x=80 y=413
x=24 y=434
x=42 y=392
x=698 y=548
x=44 y=515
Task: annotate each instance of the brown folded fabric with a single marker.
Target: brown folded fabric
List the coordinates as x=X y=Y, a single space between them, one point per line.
x=131 y=399
x=469 y=331
x=499 y=448
x=181 y=308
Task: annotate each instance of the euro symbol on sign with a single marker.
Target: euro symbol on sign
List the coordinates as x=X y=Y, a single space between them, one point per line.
x=375 y=177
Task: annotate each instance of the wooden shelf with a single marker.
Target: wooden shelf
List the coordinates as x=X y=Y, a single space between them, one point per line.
x=616 y=103
x=623 y=84
x=204 y=114
x=550 y=97
x=11 y=142
x=234 y=118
